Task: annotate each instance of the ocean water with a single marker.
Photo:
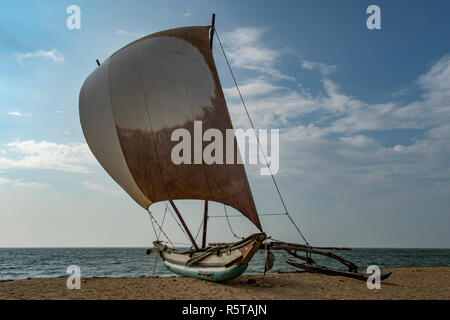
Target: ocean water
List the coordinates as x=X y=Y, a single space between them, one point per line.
x=133 y=262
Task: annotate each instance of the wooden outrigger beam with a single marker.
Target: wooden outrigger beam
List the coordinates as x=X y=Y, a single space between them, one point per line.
x=310 y=265
x=316 y=268
x=289 y=247
x=277 y=243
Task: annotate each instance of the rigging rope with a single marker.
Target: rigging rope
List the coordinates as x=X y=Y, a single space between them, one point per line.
x=162 y=223
x=174 y=218
x=153 y=225
x=257 y=138
x=151 y=216
x=159 y=234
x=239 y=216
x=229 y=224
x=198 y=231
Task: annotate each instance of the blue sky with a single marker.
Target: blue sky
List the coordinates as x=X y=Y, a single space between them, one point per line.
x=363 y=115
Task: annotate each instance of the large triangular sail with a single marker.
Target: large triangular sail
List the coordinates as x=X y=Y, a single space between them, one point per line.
x=131 y=104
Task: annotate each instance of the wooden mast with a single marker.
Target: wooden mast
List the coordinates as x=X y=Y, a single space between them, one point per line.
x=184 y=224
x=205 y=224
x=211 y=33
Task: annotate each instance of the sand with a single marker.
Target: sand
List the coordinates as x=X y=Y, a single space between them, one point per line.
x=405 y=283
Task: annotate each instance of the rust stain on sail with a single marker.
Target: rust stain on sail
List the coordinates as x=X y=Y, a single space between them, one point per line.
x=157 y=84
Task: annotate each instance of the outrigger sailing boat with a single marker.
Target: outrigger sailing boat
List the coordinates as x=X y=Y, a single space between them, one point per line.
x=129 y=107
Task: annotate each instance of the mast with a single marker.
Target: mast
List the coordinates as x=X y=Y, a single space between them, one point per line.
x=211 y=33
x=205 y=223
x=184 y=224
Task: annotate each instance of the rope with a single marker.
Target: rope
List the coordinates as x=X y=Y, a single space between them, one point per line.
x=229 y=224
x=239 y=216
x=151 y=216
x=198 y=231
x=176 y=220
x=162 y=223
x=153 y=225
x=157 y=256
x=257 y=139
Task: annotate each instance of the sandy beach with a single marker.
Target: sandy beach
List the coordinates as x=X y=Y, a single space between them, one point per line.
x=405 y=283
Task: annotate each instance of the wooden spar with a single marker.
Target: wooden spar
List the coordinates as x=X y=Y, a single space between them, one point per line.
x=274 y=244
x=299 y=247
x=309 y=260
x=205 y=224
x=211 y=33
x=316 y=268
x=184 y=224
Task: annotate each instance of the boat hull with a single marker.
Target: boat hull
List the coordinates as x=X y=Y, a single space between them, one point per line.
x=215 y=274
x=217 y=264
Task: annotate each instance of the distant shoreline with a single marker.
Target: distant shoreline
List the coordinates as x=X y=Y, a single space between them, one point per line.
x=405 y=283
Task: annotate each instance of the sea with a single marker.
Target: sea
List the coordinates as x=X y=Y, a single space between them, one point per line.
x=22 y=263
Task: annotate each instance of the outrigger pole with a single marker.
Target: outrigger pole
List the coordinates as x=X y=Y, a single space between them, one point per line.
x=184 y=224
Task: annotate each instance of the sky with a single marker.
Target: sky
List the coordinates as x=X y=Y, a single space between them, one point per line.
x=364 y=120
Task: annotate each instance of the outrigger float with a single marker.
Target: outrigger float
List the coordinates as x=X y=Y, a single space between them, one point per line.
x=131 y=105
x=309 y=265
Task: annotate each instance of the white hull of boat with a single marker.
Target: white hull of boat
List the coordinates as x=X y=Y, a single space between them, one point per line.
x=218 y=264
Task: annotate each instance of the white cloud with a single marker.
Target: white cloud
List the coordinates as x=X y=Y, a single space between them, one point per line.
x=188 y=13
x=433 y=110
x=53 y=54
x=254 y=87
x=59 y=111
x=98 y=187
x=322 y=137
x=20 y=184
x=323 y=68
x=18 y=114
x=358 y=140
x=245 y=49
x=73 y=157
x=436 y=80
x=302 y=133
x=129 y=34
